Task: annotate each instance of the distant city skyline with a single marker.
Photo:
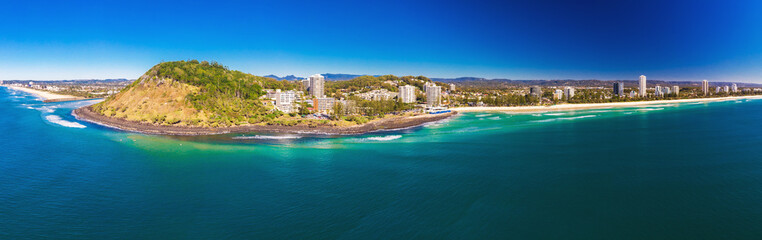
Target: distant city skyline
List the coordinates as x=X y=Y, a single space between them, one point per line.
x=713 y=40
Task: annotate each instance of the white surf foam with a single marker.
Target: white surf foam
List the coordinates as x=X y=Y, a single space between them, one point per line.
x=483 y=115
x=265 y=137
x=384 y=138
x=565 y=118
x=46 y=109
x=494 y=118
x=555 y=114
x=58 y=120
x=577 y=117
x=544 y=120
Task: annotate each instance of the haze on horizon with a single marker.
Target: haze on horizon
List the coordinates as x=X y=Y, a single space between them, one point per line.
x=666 y=40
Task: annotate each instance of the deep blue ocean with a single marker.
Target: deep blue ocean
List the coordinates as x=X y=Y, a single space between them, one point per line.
x=669 y=171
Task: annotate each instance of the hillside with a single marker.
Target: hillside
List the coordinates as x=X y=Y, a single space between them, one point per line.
x=192 y=93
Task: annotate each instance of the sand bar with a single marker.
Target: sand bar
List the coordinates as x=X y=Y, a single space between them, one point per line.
x=46 y=96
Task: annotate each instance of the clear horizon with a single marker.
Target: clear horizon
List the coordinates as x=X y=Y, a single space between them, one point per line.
x=671 y=41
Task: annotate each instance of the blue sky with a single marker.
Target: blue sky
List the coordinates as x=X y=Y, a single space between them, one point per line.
x=670 y=40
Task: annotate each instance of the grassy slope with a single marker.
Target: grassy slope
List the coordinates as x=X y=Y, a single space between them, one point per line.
x=192 y=93
x=157 y=101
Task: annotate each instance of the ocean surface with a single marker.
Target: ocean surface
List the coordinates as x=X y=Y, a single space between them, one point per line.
x=669 y=171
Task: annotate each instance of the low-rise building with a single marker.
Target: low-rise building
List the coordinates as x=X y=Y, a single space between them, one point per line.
x=558 y=94
x=377 y=95
x=323 y=105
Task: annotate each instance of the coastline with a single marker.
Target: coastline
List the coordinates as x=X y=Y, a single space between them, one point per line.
x=582 y=106
x=85 y=114
x=47 y=96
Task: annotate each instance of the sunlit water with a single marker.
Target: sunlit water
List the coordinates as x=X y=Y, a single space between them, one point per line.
x=669 y=171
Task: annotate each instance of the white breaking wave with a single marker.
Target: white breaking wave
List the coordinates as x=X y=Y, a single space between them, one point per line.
x=494 y=118
x=58 y=120
x=662 y=105
x=544 y=120
x=577 y=117
x=385 y=138
x=650 y=109
x=268 y=137
x=483 y=115
x=47 y=109
x=601 y=111
x=555 y=114
x=566 y=118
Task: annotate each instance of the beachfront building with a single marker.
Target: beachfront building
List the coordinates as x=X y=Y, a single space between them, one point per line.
x=676 y=90
x=642 y=86
x=719 y=89
x=705 y=87
x=666 y=91
x=323 y=105
x=619 y=89
x=558 y=94
x=734 y=88
x=727 y=89
x=317 y=83
x=658 y=91
x=452 y=87
x=633 y=94
x=433 y=96
x=569 y=92
x=407 y=94
x=535 y=91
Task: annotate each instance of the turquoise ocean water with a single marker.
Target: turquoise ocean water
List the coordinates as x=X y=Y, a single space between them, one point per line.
x=669 y=171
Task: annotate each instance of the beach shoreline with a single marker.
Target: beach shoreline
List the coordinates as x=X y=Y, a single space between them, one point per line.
x=46 y=96
x=390 y=124
x=583 y=106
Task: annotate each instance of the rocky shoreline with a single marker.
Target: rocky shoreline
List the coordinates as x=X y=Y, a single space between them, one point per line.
x=86 y=114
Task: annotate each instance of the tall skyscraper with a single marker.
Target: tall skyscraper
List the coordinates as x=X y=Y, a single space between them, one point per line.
x=317 y=82
x=433 y=95
x=407 y=94
x=642 y=85
x=619 y=89
x=727 y=89
x=569 y=92
x=734 y=88
x=535 y=91
x=676 y=90
x=657 y=91
x=705 y=87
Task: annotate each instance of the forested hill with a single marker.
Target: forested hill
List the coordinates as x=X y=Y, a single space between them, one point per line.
x=192 y=93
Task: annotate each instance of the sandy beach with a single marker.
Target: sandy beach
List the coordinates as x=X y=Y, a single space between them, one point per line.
x=566 y=107
x=46 y=96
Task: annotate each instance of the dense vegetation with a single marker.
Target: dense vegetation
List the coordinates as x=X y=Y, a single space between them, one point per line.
x=217 y=95
x=367 y=83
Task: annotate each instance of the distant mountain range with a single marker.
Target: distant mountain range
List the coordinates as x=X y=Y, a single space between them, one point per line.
x=328 y=77
x=461 y=80
x=77 y=81
x=586 y=83
x=511 y=82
